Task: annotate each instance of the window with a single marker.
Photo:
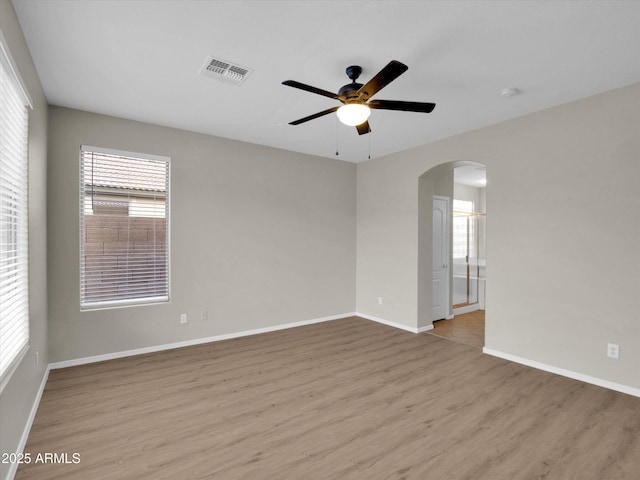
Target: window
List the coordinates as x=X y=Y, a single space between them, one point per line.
x=14 y=209
x=124 y=228
x=463 y=229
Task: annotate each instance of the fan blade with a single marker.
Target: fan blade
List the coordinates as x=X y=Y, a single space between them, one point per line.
x=309 y=88
x=400 y=105
x=315 y=115
x=363 y=128
x=383 y=78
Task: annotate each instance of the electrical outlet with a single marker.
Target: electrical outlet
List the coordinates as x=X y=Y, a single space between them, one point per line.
x=183 y=318
x=613 y=350
x=205 y=315
x=379 y=300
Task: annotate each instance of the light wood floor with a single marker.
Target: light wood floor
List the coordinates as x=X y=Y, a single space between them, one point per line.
x=467 y=328
x=347 y=399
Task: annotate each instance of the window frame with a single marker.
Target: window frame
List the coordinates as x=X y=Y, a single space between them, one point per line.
x=21 y=95
x=464 y=209
x=129 y=302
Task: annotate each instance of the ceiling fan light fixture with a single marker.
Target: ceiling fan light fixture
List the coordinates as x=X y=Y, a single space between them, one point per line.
x=353 y=114
x=355 y=110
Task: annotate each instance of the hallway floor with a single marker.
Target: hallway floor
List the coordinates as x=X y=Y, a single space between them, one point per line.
x=467 y=328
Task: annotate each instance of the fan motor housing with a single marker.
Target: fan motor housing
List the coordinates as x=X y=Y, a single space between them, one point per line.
x=350 y=90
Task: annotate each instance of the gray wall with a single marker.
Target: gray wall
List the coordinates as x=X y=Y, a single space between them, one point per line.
x=466 y=192
x=19 y=394
x=259 y=237
x=562 y=233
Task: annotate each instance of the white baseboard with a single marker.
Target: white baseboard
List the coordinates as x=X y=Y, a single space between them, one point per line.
x=618 y=387
x=424 y=329
x=394 y=324
x=187 y=343
x=198 y=341
x=13 y=468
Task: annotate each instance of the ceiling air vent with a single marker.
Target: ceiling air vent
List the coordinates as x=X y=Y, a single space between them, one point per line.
x=224 y=71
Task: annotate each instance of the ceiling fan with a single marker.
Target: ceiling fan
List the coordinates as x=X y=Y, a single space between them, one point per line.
x=355 y=97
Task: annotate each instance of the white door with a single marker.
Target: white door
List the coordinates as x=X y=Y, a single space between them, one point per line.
x=440 y=257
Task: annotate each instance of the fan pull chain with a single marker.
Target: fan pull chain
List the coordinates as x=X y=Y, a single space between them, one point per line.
x=337 y=127
x=370 y=133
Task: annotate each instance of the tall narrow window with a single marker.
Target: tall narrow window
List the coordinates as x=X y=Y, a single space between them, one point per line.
x=14 y=209
x=463 y=229
x=124 y=228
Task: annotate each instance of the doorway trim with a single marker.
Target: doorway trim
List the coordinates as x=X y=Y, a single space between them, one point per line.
x=437 y=180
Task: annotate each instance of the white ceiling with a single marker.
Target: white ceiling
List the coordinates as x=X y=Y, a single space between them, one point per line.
x=471 y=175
x=140 y=60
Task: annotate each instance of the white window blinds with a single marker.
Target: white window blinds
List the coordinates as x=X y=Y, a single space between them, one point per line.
x=14 y=192
x=124 y=228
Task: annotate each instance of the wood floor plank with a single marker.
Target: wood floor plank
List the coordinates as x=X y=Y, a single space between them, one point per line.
x=467 y=328
x=347 y=399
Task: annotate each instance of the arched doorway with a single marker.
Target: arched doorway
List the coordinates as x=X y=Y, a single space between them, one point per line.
x=465 y=262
